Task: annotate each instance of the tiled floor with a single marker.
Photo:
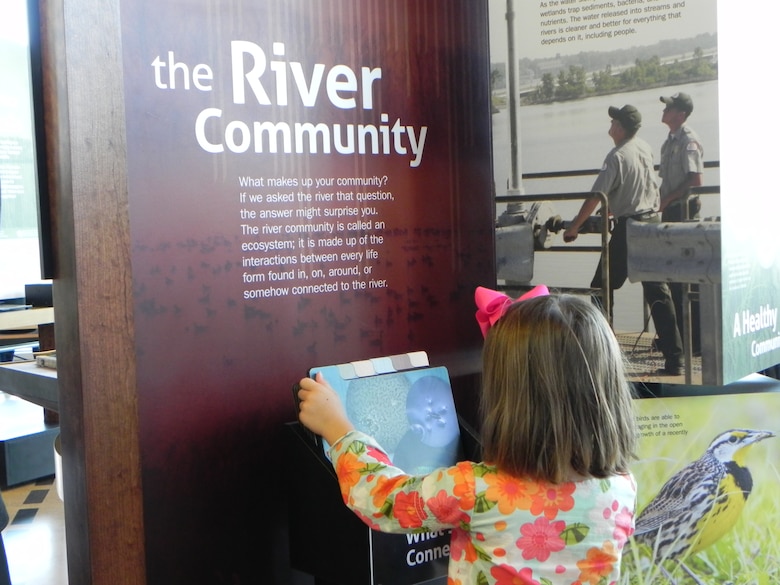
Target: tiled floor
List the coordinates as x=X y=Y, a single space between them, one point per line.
x=35 y=537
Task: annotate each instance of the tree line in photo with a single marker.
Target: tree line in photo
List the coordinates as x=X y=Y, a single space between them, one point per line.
x=592 y=73
x=574 y=83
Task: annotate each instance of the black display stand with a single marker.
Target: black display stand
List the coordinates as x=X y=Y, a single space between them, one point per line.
x=26 y=442
x=330 y=543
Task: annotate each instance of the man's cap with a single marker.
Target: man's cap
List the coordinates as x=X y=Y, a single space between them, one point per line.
x=679 y=101
x=628 y=116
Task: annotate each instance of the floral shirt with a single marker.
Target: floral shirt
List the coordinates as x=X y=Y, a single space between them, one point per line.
x=505 y=530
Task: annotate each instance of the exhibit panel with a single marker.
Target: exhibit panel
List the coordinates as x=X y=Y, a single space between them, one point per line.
x=707 y=475
x=555 y=71
x=307 y=184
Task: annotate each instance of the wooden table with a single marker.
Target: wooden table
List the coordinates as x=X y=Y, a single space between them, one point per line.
x=26 y=379
x=27 y=325
x=26 y=318
x=33 y=383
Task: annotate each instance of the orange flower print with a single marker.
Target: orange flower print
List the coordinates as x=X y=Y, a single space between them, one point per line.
x=451 y=581
x=598 y=563
x=507 y=575
x=408 y=510
x=550 y=499
x=446 y=508
x=348 y=469
x=509 y=493
x=383 y=487
x=541 y=538
x=463 y=476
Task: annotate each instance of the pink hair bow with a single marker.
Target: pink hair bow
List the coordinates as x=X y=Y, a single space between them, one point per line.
x=491 y=304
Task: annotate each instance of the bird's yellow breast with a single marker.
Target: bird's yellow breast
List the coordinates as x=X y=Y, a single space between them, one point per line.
x=728 y=505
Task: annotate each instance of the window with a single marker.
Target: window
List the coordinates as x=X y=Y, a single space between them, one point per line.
x=20 y=249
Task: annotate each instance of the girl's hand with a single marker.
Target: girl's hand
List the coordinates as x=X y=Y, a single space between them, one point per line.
x=321 y=410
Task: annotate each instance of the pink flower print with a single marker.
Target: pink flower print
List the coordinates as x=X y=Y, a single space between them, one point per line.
x=446 y=508
x=624 y=522
x=541 y=538
x=366 y=520
x=461 y=546
x=378 y=455
x=507 y=575
x=624 y=526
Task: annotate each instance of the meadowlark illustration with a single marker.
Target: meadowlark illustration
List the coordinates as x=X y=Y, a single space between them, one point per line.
x=701 y=502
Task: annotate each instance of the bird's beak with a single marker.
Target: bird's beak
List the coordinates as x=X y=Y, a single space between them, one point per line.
x=757 y=436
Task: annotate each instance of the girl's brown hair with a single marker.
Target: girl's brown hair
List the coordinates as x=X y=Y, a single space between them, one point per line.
x=555 y=398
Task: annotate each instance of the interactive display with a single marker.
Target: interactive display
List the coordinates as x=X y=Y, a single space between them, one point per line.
x=411 y=412
x=408 y=407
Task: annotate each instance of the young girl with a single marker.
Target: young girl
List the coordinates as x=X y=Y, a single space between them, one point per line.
x=553 y=501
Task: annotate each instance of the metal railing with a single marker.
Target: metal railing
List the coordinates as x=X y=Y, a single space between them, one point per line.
x=604 y=247
x=606 y=301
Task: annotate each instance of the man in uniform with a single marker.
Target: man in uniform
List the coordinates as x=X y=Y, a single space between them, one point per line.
x=627 y=178
x=681 y=168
